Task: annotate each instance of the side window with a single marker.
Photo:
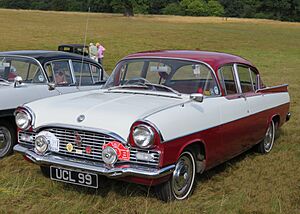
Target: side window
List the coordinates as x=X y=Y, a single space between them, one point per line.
x=227 y=79
x=35 y=74
x=254 y=77
x=195 y=78
x=82 y=73
x=49 y=72
x=245 y=79
x=61 y=72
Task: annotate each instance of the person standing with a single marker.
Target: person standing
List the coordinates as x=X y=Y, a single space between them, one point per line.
x=93 y=51
x=100 y=54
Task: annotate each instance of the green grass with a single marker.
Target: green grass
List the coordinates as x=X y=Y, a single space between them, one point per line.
x=250 y=183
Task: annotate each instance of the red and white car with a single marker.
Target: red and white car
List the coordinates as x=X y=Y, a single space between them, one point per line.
x=162 y=117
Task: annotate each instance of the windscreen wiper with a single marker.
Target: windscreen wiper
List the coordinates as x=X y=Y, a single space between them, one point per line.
x=164 y=87
x=128 y=86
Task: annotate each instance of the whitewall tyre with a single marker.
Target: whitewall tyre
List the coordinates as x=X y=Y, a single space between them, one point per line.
x=181 y=185
x=266 y=145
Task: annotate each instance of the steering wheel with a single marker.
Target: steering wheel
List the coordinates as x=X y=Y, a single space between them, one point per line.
x=137 y=81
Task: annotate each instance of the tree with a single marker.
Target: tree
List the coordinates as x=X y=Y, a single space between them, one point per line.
x=173 y=9
x=123 y=5
x=195 y=7
x=215 y=8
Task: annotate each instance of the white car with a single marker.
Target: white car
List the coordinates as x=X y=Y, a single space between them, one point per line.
x=162 y=117
x=26 y=76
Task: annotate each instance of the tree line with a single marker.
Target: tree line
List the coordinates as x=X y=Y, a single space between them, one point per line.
x=285 y=10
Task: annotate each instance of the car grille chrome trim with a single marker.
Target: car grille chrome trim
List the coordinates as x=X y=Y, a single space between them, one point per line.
x=94 y=140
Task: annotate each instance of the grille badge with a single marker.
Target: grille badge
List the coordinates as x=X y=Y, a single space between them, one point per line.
x=80 y=118
x=78 y=139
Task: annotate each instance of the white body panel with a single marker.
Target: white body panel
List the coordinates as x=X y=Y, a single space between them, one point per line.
x=12 y=97
x=116 y=112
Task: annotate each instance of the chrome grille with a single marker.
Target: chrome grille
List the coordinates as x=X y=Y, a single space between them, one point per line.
x=95 y=141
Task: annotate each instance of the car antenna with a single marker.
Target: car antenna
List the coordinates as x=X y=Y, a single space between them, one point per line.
x=84 y=44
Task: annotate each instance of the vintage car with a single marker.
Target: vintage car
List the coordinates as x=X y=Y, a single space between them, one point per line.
x=75 y=48
x=162 y=117
x=30 y=75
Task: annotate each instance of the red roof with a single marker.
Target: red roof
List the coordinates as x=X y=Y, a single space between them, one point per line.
x=214 y=59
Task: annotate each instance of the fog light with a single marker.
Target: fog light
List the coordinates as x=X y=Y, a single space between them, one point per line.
x=41 y=145
x=144 y=156
x=109 y=155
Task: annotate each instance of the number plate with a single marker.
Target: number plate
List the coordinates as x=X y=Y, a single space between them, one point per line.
x=74 y=177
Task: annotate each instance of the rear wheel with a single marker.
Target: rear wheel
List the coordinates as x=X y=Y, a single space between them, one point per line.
x=180 y=186
x=8 y=138
x=266 y=145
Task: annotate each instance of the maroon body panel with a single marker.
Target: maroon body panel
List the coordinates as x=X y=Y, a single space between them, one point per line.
x=218 y=141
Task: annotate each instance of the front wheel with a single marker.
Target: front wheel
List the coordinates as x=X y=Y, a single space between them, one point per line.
x=266 y=145
x=8 y=138
x=180 y=186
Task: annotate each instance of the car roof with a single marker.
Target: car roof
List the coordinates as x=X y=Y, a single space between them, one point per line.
x=214 y=59
x=44 y=56
x=73 y=45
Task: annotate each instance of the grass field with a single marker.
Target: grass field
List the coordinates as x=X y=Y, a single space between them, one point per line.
x=251 y=183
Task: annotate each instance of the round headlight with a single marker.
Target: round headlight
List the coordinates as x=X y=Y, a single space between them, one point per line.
x=23 y=120
x=109 y=155
x=41 y=145
x=143 y=136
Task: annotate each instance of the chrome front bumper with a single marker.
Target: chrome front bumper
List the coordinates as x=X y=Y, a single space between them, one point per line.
x=99 y=168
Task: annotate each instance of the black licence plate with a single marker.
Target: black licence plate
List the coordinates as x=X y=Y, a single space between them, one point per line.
x=74 y=177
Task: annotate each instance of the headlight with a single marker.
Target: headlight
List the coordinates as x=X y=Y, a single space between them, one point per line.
x=109 y=155
x=41 y=145
x=143 y=136
x=23 y=120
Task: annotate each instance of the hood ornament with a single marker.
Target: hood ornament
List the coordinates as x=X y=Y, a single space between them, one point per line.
x=80 y=118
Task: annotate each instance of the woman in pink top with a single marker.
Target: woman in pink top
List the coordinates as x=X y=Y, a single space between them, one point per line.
x=100 y=54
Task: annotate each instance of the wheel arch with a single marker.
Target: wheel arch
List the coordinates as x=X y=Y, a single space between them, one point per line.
x=276 y=119
x=199 y=150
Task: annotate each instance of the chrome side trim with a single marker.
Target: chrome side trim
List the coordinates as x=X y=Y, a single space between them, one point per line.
x=99 y=168
x=272 y=87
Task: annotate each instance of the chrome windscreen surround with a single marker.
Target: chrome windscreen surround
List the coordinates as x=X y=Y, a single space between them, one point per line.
x=88 y=139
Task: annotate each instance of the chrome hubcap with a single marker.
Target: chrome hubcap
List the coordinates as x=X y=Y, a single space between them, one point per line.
x=5 y=140
x=182 y=176
x=269 y=138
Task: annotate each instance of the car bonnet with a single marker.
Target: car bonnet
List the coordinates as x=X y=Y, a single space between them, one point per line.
x=113 y=112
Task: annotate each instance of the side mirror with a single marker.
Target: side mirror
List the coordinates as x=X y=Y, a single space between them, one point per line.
x=51 y=86
x=197 y=97
x=17 y=81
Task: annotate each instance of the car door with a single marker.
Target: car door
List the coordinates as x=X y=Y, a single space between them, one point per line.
x=60 y=73
x=257 y=120
x=234 y=111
